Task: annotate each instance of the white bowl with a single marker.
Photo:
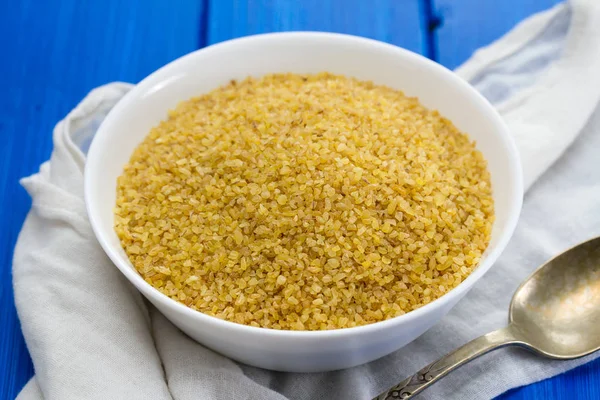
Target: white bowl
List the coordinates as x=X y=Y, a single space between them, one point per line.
x=301 y=52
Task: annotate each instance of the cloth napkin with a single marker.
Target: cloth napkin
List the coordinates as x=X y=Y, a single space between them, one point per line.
x=92 y=336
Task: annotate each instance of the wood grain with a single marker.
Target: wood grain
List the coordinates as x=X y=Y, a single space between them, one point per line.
x=582 y=383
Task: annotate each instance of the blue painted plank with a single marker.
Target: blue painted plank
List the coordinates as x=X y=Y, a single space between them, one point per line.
x=394 y=21
x=56 y=51
x=467 y=25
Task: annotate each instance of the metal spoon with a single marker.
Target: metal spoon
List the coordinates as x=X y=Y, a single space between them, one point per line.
x=555 y=313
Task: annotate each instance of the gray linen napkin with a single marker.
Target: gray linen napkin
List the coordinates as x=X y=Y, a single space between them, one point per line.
x=91 y=335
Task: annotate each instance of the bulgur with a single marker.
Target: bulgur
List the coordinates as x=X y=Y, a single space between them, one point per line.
x=304 y=202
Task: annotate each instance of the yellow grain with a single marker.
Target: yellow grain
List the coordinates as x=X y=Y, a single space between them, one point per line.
x=304 y=202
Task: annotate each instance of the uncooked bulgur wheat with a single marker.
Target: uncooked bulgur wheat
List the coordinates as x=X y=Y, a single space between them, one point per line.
x=304 y=202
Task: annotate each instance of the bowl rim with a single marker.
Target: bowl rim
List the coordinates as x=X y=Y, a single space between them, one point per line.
x=514 y=170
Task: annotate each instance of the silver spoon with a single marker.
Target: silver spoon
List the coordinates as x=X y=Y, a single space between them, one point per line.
x=555 y=313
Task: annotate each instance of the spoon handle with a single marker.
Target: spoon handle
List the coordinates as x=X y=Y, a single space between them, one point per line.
x=440 y=368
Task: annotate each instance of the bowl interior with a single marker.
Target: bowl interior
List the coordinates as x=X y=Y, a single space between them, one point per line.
x=147 y=104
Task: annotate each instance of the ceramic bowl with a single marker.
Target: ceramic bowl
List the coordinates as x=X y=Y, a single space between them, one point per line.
x=300 y=52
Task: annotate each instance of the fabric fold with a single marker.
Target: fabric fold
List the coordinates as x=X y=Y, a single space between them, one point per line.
x=87 y=329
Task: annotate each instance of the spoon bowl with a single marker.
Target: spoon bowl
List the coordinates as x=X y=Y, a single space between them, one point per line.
x=555 y=313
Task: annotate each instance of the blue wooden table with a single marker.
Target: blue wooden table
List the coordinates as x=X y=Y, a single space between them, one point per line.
x=55 y=51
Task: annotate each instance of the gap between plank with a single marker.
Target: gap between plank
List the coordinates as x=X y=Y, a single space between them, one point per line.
x=432 y=22
x=204 y=20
